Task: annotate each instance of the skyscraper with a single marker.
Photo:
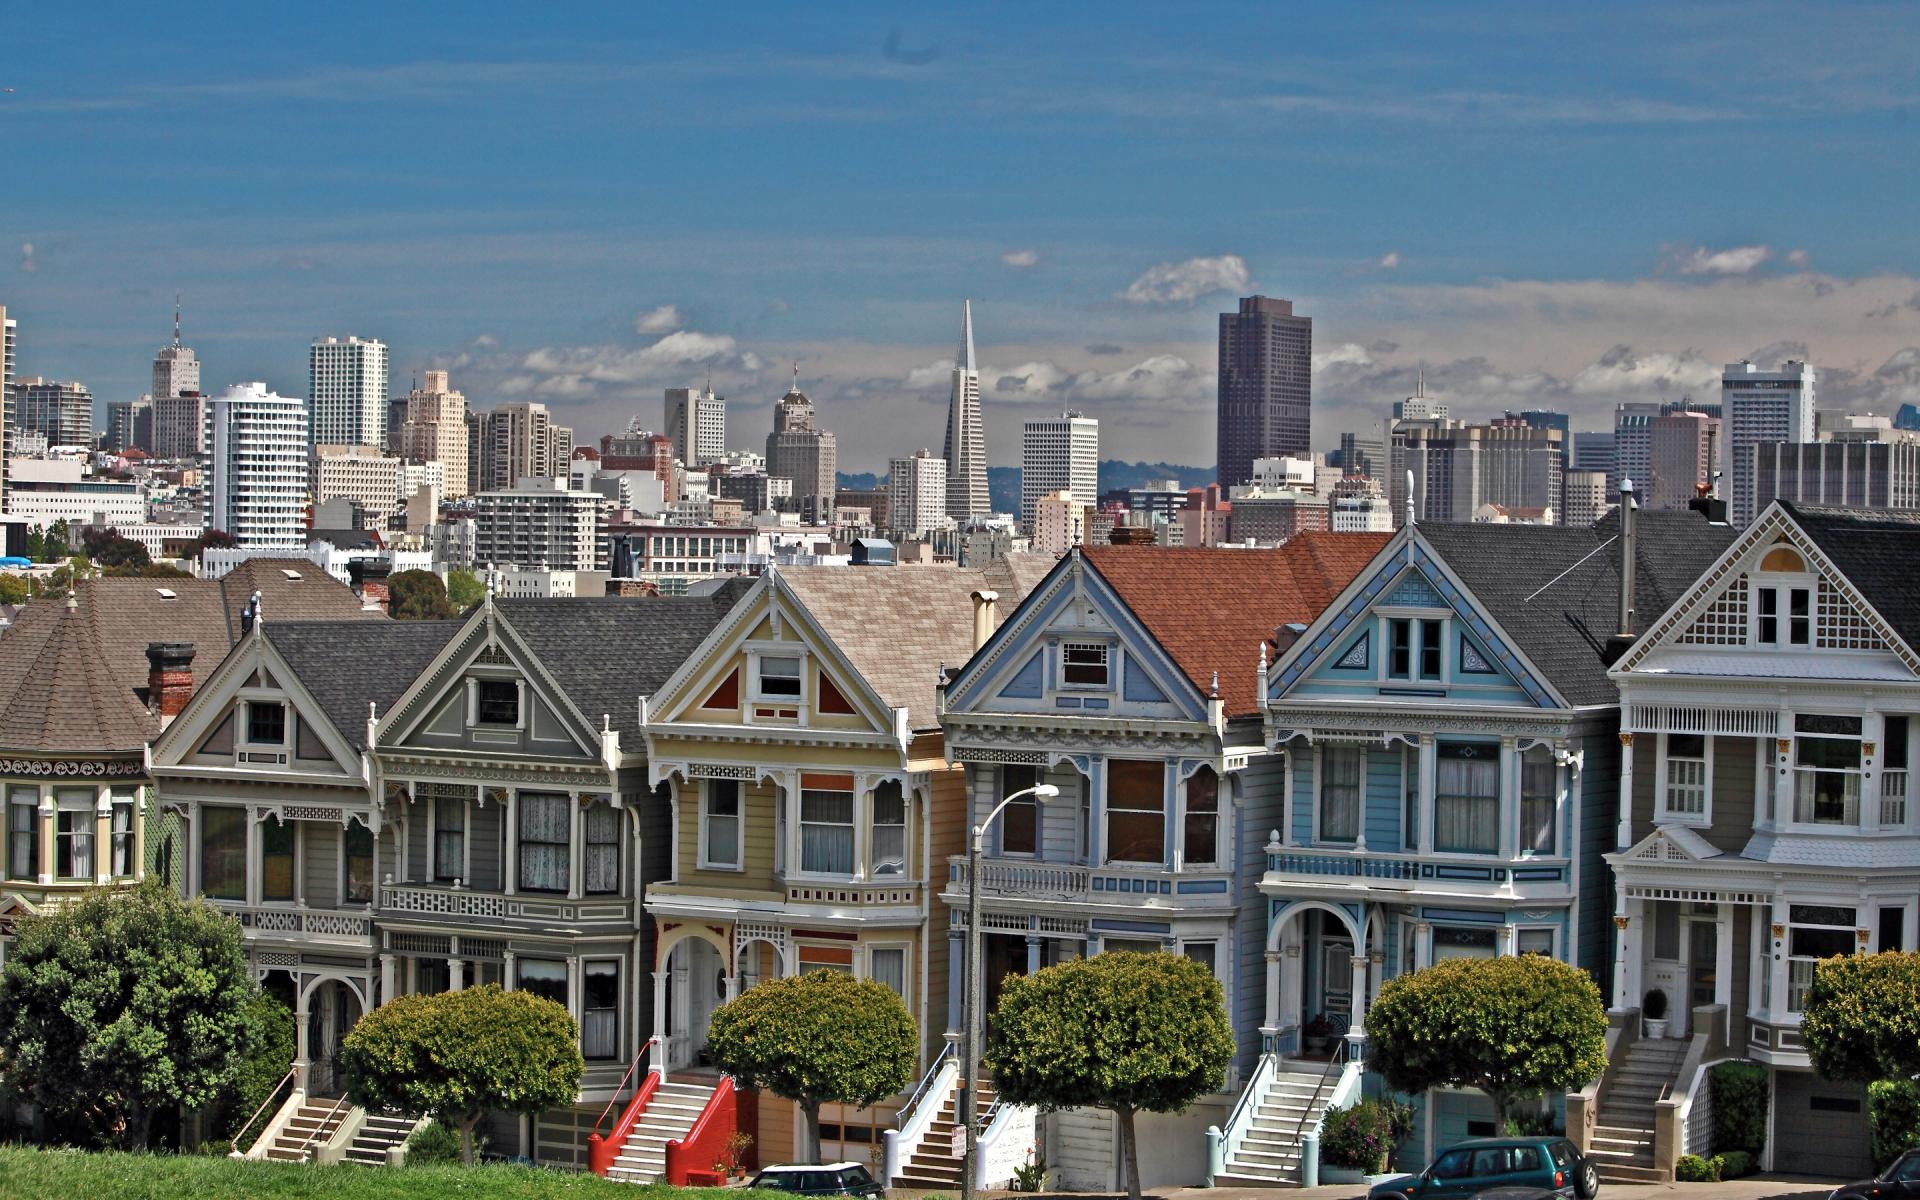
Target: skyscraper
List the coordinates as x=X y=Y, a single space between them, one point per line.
x=809 y=456
x=1762 y=406
x=966 y=446
x=1059 y=454
x=175 y=369
x=697 y=423
x=61 y=412
x=1266 y=387
x=1683 y=452
x=180 y=426
x=257 y=487
x=130 y=425
x=916 y=493
x=515 y=442
x=435 y=430
x=7 y=330
x=348 y=380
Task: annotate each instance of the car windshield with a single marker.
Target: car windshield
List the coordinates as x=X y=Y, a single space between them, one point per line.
x=855 y=1177
x=1904 y=1170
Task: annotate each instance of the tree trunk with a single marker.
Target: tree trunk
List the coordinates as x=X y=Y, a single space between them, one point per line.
x=1500 y=1102
x=134 y=1135
x=810 y=1135
x=1129 y=1151
x=466 y=1139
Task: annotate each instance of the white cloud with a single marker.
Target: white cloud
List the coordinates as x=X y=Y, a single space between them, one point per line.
x=1389 y=260
x=1020 y=260
x=1735 y=260
x=1185 y=282
x=658 y=320
x=1797 y=257
x=28 y=262
x=1344 y=355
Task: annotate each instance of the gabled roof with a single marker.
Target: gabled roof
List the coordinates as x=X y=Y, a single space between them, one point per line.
x=897 y=625
x=345 y=665
x=57 y=692
x=1211 y=609
x=1876 y=549
x=1555 y=589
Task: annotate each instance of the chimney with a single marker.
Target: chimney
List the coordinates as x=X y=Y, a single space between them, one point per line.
x=1131 y=535
x=1629 y=558
x=1285 y=636
x=983 y=606
x=1707 y=504
x=369 y=578
x=169 y=678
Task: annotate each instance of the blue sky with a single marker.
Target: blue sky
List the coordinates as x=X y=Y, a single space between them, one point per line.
x=1536 y=204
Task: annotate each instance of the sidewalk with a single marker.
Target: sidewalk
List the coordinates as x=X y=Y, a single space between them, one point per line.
x=1756 y=1187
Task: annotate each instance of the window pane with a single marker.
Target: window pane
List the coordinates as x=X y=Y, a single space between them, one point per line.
x=23 y=833
x=1136 y=811
x=1019 y=821
x=826 y=832
x=449 y=838
x=544 y=829
x=1400 y=648
x=779 y=676
x=1085 y=663
x=602 y=856
x=1455 y=942
x=499 y=702
x=1539 y=781
x=223 y=853
x=1430 y=649
x=359 y=853
x=1535 y=941
x=889 y=966
x=1201 y=837
x=599 y=1004
x=543 y=978
x=1466 y=810
x=889 y=847
x=1340 y=792
x=1201 y=952
x=276 y=860
x=723 y=822
x=266 y=723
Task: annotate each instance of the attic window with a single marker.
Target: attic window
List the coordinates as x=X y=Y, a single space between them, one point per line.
x=167 y=593
x=289 y=574
x=498 y=702
x=1084 y=664
x=1783 y=558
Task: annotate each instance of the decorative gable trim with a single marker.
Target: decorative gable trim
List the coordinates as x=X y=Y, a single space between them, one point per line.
x=253 y=663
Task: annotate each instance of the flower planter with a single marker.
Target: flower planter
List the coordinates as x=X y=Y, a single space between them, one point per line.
x=705 y=1179
x=1341 y=1174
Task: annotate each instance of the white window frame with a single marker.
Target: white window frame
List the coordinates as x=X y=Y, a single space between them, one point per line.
x=1795 y=770
x=1553 y=938
x=1217 y=940
x=1782 y=585
x=905 y=950
x=1416 y=620
x=852 y=825
x=905 y=825
x=1321 y=755
x=760 y=693
x=473 y=703
x=243 y=736
x=1663 y=813
x=707 y=862
x=1107 y=660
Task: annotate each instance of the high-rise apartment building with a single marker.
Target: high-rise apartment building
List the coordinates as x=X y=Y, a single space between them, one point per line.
x=1059 y=454
x=348 y=382
x=515 y=442
x=179 y=425
x=1364 y=454
x=1266 y=386
x=1762 y=406
x=1683 y=452
x=8 y=329
x=916 y=493
x=378 y=484
x=966 y=445
x=434 y=429
x=60 y=412
x=1632 y=443
x=1418 y=411
x=1457 y=467
x=130 y=425
x=1860 y=461
x=1587 y=498
x=175 y=369
x=257 y=484
x=697 y=423
x=541 y=523
x=809 y=456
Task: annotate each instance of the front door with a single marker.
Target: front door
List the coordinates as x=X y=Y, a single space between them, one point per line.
x=1703 y=968
x=1336 y=981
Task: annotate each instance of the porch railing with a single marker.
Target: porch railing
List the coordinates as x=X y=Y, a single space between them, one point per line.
x=917 y=1114
x=313 y=922
x=1027 y=879
x=1348 y=864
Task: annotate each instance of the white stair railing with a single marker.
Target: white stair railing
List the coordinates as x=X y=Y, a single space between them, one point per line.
x=917 y=1115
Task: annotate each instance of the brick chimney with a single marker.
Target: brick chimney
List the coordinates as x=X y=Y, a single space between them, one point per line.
x=370 y=582
x=169 y=678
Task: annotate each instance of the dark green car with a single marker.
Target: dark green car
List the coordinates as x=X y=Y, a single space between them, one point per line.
x=1550 y=1164
x=826 y=1179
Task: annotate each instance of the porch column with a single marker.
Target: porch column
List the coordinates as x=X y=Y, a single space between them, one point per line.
x=1033 y=954
x=1723 y=959
x=46 y=815
x=1509 y=939
x=510 y=869
x=1621 y=943
x=456 y=974
x=576 y=844
x=1623 y=832
x=1422 y=945
x=140 y=833
x=102 y=834
x=253 y=855
x=1429 y=775
x=573 y=984
x=1777 y=963
x=1290 y=972
x=1509 y=799
x=1274 y=959
x=956 y=971
x=1096 y=812
x=1357 y=1014
x=507 y=982
x=389 y=977
x=863 y=823
x=302 y=1056
x=657 y=1060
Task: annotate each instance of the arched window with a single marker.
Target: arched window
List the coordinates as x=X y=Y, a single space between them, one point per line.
x=1785 y=559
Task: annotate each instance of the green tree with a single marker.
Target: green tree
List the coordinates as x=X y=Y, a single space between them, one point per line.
x=36 y=543
x=1126 y=1032
x=212 y=539
x=1861 y=1017
x=457 y=1056
x=265 y=1065
x=819 y=1038
x=417 y=596
x=13 y=589
x=151 y=571
x=1513 y=1026
x=120 y=1005
x=57 y=545
x=108 y=549
x=464 y=589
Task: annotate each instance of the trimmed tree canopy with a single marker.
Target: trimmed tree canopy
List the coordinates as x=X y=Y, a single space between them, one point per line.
x=1510 y=1026
x=417 y=596
x=460 y=1055
x=1861 y=1017
x=823 y=1037
x=124 y=1003
x=1121 y=1031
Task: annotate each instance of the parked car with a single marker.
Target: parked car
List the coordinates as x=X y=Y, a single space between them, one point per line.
x=1492 y=1165
x=819 y=1179
x=1901 y=1178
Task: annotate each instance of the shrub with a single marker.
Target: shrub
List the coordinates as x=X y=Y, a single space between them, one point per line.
x=1534 y=1124
x=1359 y=1138
x=1861 y=1017
x=1693 y=1169
x=261 y=1071
x=433 y=1144
x=1893 y=1106
x=1739 y=1091
x=1734 y=1164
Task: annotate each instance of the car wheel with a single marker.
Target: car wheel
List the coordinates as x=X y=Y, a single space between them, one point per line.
x=1587 y=1186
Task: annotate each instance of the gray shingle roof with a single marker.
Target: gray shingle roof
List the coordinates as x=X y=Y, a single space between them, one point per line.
x=1878 y=550
x=1564 y=629
x=347 y=664
x=57 y=692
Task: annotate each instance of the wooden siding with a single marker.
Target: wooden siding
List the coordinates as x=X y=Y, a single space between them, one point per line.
x=486 y=842
x=320 y=843
x=1261 y=810
x=1599 y=828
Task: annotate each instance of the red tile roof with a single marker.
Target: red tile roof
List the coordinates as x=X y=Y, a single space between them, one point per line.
x=1211 y=609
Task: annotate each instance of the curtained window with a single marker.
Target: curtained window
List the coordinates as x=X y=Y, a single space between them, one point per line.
x=276 y=859
x=599 y=1009
x=449 y=837
x=1342 y=776
x=1201 y=835
x=359 y=864
x=720 y=845
x=23 y=833
x=1539 y=792
x=223 y=853
x=1019 y=821
x=889 y=848
x=1466 y=802
x=73 y=836
x=122 y=862
x=888 y=965
x=544 y=819
x=826 y=831
x=602 y=857
x=1136 y=811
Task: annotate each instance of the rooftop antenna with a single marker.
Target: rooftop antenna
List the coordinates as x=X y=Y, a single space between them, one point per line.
x=176 y=320
x=796 y=377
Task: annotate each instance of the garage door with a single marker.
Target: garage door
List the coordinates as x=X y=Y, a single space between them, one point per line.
x=1821 y=1127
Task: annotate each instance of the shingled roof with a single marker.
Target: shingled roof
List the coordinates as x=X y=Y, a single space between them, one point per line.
x=897 y=625
x=1876 y=549
x=58 y=695
x=347 y=665
x=1211 y=609
x=1555 y=589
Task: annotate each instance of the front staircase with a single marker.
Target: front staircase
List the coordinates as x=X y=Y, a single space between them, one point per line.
x=669 y=1114
x=1622 y=1148
x=933 y=1163
x=311 y=1126
x=379 y=1133
x=1290 y=1107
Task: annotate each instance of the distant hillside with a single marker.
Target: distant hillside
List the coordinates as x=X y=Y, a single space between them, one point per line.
x=1003 y=483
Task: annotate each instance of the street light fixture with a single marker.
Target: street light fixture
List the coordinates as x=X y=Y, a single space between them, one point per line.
x=968 y=1109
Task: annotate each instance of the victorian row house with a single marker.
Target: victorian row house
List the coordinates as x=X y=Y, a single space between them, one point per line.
x=1765 y=815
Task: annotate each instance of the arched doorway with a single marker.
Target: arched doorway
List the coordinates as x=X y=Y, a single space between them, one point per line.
x=1317 y=982
x=332 y=1009
x=696 y=985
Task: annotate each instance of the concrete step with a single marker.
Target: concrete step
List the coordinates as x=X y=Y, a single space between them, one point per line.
x=1610 y=1172
x=1241 y=1179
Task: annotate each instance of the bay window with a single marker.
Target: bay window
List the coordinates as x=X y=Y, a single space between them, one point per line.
x=1136 y=811
x=720 y=823
x=599 y=1009
x=1342 y=780
x=73 y=835
x=357 y=871
x=276 y=859
x=888 y=965
x=543 y=977
x=1814 y=932
x=1466 y=802
x=1019 y=821
x=223 y=853
x=23 y=833
x=544 y=820
x=1688 y=777
x=1539 y=796
x=826 y=824
x=600 y=858
x=889 y=845
x=1454 y=941
x=1200 y=836
x=1826 y=769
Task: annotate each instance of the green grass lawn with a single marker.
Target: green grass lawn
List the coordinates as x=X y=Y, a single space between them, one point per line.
x=73 y=1175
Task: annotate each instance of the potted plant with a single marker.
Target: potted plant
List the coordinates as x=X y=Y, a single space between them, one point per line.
x=1317 y=1036
x=733 y=1162
x=1356 y=1143
x=1654 y=1010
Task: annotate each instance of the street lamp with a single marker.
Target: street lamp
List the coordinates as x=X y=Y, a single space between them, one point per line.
x=968 y=1110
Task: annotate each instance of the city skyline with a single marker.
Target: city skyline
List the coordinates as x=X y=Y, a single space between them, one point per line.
x=1103 y=294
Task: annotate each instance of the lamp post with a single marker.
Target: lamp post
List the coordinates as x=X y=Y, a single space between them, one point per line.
x=968 y=1109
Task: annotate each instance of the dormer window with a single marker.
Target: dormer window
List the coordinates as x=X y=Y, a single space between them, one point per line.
x=1084 y=664
x=497 y=702
x=1416 y=643
x=779 y=677
x=266 y=723
x=1783 y=600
